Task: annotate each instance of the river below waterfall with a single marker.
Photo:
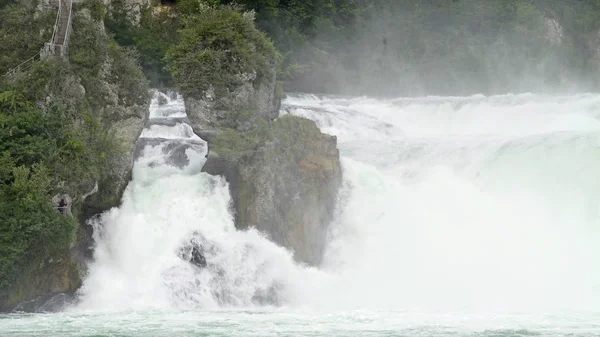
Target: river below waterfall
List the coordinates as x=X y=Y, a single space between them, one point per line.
x=459 y=216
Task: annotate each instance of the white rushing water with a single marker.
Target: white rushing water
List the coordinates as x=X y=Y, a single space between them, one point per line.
x=141 y=259
x=468 y=216
x=477 y=204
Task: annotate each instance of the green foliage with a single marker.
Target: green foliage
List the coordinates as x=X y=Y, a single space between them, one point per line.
x=97 y=59
x=96 y=7
x=22 y=33
x=426 y=46
x=64 y=146
x=215 y=48
x=279 y=92
x=152 y=37
x=40 y=149
x=33 y=145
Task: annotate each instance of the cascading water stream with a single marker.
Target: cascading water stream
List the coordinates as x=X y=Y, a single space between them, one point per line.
x=142 y=258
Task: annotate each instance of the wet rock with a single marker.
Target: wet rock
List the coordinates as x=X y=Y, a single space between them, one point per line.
x=175 y=154
x=47 y=303
x=269 y=296
x=175 y=150
x=162 y=99
x=198 y=258
x=256 y=98
x=288 y=188
x=193 y=251
x=50 y=278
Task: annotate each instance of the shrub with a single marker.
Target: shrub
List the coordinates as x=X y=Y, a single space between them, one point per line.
x=215 y=48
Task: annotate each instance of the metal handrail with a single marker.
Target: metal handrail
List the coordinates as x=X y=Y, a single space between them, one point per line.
x=16 y=68
x=65 y=42
x=57 y=21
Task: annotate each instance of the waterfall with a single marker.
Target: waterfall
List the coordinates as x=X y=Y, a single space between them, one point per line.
x=449 y=203
x=145 y=247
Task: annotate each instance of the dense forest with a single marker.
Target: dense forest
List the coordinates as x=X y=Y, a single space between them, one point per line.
x=402 y=47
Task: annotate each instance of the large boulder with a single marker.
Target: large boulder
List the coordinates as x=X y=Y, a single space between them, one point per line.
x=287 y=188
x=239 y=109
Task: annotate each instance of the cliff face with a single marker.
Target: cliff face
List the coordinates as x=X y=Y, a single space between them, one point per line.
x=104 y=97
x=118 y=94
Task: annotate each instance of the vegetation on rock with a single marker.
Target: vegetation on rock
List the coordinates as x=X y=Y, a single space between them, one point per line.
x=23 y=32
x=238 y=146
x=217 y=49
x=398 y=47
x=151 y=37
x=57 y=136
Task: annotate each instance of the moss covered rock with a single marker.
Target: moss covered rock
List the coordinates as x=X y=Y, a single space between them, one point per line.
x=286 y=185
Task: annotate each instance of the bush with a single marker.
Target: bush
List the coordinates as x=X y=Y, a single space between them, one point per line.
x=416 y=47
x=97 y=59
x=152 y=38
x=215 y=48
x=96 y=7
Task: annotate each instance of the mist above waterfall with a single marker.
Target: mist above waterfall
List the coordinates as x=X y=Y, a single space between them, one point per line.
x=460 y=47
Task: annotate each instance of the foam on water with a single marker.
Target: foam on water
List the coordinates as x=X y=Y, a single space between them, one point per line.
x=478 y=204
x=138 y=263
x=469 y=204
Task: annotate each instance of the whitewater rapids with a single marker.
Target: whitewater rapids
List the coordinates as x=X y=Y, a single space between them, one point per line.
x=477 y=204
x=476 y=216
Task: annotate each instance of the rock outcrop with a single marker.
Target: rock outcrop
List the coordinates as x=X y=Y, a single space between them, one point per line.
x=283 y=173
x=238 y=109
x=50 y=279
x=288 y=188
x=103 y=93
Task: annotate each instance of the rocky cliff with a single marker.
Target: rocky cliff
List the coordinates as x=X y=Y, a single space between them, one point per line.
x=283 y=173
x=103 y=96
